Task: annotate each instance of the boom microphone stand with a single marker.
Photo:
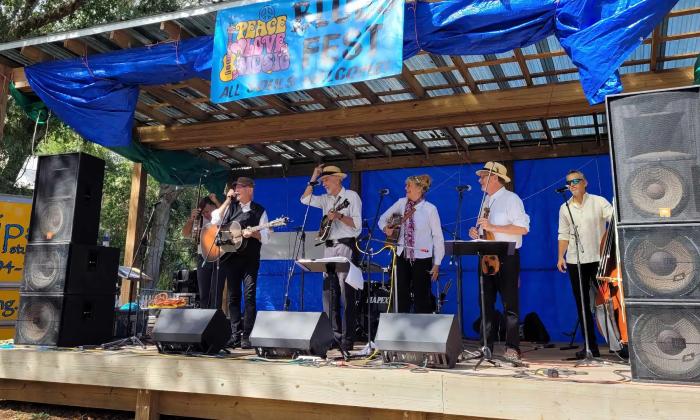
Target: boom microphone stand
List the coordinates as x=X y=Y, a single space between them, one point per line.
x=588 y=360
x=299 y=245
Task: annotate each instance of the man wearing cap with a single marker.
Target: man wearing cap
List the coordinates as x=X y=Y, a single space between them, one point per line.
x=508 y=222
x=345 y=228
x=241 y=267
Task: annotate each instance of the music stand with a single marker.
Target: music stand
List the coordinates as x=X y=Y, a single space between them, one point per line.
x=480 y=248
x=136 y=275
x=331 y=266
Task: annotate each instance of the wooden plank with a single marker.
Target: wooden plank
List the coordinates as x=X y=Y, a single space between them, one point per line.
x=19 y=78
x=457 y=139
x=523 y=66
x=122 y=38
x=378 y=144
x=175 y=31
x=231 y=152
x=276 y=158
x=550 y=101
x=307 y=153
x=416 y=142
x=154 y=114
x=655 y=48
x=214 y=406
x=464 y=71
x=548 y=132
x=137 y=202
x=366 y=92
x=147 y=405
x=339 y=145
x=106 y=397
x=177 y=101
x=78 y=47
x=503 y=136
x=320 y=97
x=578 y=148
x=415 y=85
x=35 y=54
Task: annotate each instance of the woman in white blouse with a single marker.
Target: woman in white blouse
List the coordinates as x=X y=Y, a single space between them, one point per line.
x=420 y=245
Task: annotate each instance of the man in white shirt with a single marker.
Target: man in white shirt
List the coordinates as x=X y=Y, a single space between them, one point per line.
x=344 y=229
x=202 y=215
x=591 y=213
x=241 y=267
x=508 y=222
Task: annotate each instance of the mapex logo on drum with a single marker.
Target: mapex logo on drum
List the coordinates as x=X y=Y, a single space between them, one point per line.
x=379 y=299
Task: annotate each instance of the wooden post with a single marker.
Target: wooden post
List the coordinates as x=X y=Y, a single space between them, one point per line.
x=137 y=202
x=5 y=76
x=147 y=405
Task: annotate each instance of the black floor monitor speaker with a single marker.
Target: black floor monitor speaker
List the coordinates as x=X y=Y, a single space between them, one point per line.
x=422 y=339
x=660 y=261
x=664 y=341
x=655 y=145
x=64 y=320
x=70 y=268
x=288 y=334
x=191 y=331
x=67 y=199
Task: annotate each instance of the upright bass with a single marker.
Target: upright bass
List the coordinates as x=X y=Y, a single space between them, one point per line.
x=609 y=300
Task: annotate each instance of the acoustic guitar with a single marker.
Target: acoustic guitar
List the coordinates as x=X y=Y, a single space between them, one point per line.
x=325 y=230
x=394 y=223
x=490 y=264
x=230 y=237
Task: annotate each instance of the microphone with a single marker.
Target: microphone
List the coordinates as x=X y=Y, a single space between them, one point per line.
x=384 y=191
x=461 y=188
x=562 y=189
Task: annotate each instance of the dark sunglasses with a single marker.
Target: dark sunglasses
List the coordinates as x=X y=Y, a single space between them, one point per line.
x=574 y=181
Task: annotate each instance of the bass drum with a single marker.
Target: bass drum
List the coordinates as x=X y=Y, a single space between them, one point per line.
x=376 y=295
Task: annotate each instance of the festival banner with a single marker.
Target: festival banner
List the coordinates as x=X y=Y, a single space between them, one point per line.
x=285 y=46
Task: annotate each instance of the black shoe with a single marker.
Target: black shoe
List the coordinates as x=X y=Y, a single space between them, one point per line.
x=234 y=342
x=580 y=355
x=245 y=344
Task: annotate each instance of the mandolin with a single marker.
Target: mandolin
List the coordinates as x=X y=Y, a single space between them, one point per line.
x=394 y=223
x=325 y=230
x=490 y=264
x=230 y=237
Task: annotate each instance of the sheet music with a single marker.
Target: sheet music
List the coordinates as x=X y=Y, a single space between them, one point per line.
x=354 y=277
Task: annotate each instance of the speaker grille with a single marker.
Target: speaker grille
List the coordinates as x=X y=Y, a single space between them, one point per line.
x=656 y=155
x=661 y=261
x=45 y=267
x=665 y=342
x=39 y=320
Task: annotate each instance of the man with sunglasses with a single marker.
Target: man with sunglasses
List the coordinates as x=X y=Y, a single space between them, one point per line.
x=591 y=213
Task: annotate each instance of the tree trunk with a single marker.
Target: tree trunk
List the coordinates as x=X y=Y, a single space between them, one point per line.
x=159 y=230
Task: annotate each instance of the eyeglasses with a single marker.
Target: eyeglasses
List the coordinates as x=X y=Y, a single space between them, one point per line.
x=574 y=181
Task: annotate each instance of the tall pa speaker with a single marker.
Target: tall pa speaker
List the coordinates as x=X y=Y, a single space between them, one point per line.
x=655 y=146
x=64 y=320
x=70 y=268
x=191 y=331
x=289 y=334
x=67 y=199
x=422 y=339
x=664 y=341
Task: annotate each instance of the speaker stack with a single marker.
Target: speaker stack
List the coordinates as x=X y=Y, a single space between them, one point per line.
x=67 y=293
x=655 y=148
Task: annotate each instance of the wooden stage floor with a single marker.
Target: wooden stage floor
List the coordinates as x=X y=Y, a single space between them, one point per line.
x=243 y=386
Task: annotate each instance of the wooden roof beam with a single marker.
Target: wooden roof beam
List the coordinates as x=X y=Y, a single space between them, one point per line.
x=502 y=135
x=547 y=132
x=307 y=153
x=174 y=31
x=366 y=92
x=415 y=85
x=35 y=54
x=416 y=141
x=378 y=144
x=19 y=78
x=457 y=139
x=547 y=101
x=177 y=101
x=523 y=66
x=122 y=39
x=320 y=97
x=233 y=153
x=154 y=114
x=78 y=47
x=464 y=71
x=273 y=157
x=340 y=146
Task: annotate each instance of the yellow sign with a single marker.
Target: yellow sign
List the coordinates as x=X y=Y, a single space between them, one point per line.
x=9 y=305
x=14 y=230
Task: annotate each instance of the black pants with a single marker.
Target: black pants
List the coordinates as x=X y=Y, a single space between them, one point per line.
x=333 y=296
x=239 y=270
x=413 y=278
x=204 y=283
x=504 y=282
x=588 y=273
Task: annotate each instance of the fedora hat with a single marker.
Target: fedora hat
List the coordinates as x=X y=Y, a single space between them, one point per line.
x=334 y=171
x=496 y=169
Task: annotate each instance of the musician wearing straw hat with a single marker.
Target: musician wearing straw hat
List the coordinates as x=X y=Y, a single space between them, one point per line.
x=345 y=227
x=507 y=221
x=420 y=245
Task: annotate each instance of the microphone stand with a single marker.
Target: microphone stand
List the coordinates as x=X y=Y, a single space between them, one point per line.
x=455 y=235
x=299 y=242
x=134 y=339
x=368 y=252
x=588 y=360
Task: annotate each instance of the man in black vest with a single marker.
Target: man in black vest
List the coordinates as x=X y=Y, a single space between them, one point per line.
x=241 y=267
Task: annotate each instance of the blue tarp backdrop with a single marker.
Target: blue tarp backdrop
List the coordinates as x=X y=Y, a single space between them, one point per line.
x=90 y=93
x=542 y=290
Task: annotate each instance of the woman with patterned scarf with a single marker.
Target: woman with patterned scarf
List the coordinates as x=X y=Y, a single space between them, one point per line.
x=420 y=245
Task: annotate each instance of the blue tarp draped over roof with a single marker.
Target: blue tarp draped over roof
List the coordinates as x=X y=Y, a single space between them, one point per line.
x=97 y=95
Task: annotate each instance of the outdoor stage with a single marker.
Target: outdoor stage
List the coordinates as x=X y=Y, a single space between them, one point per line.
x=242 y=386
